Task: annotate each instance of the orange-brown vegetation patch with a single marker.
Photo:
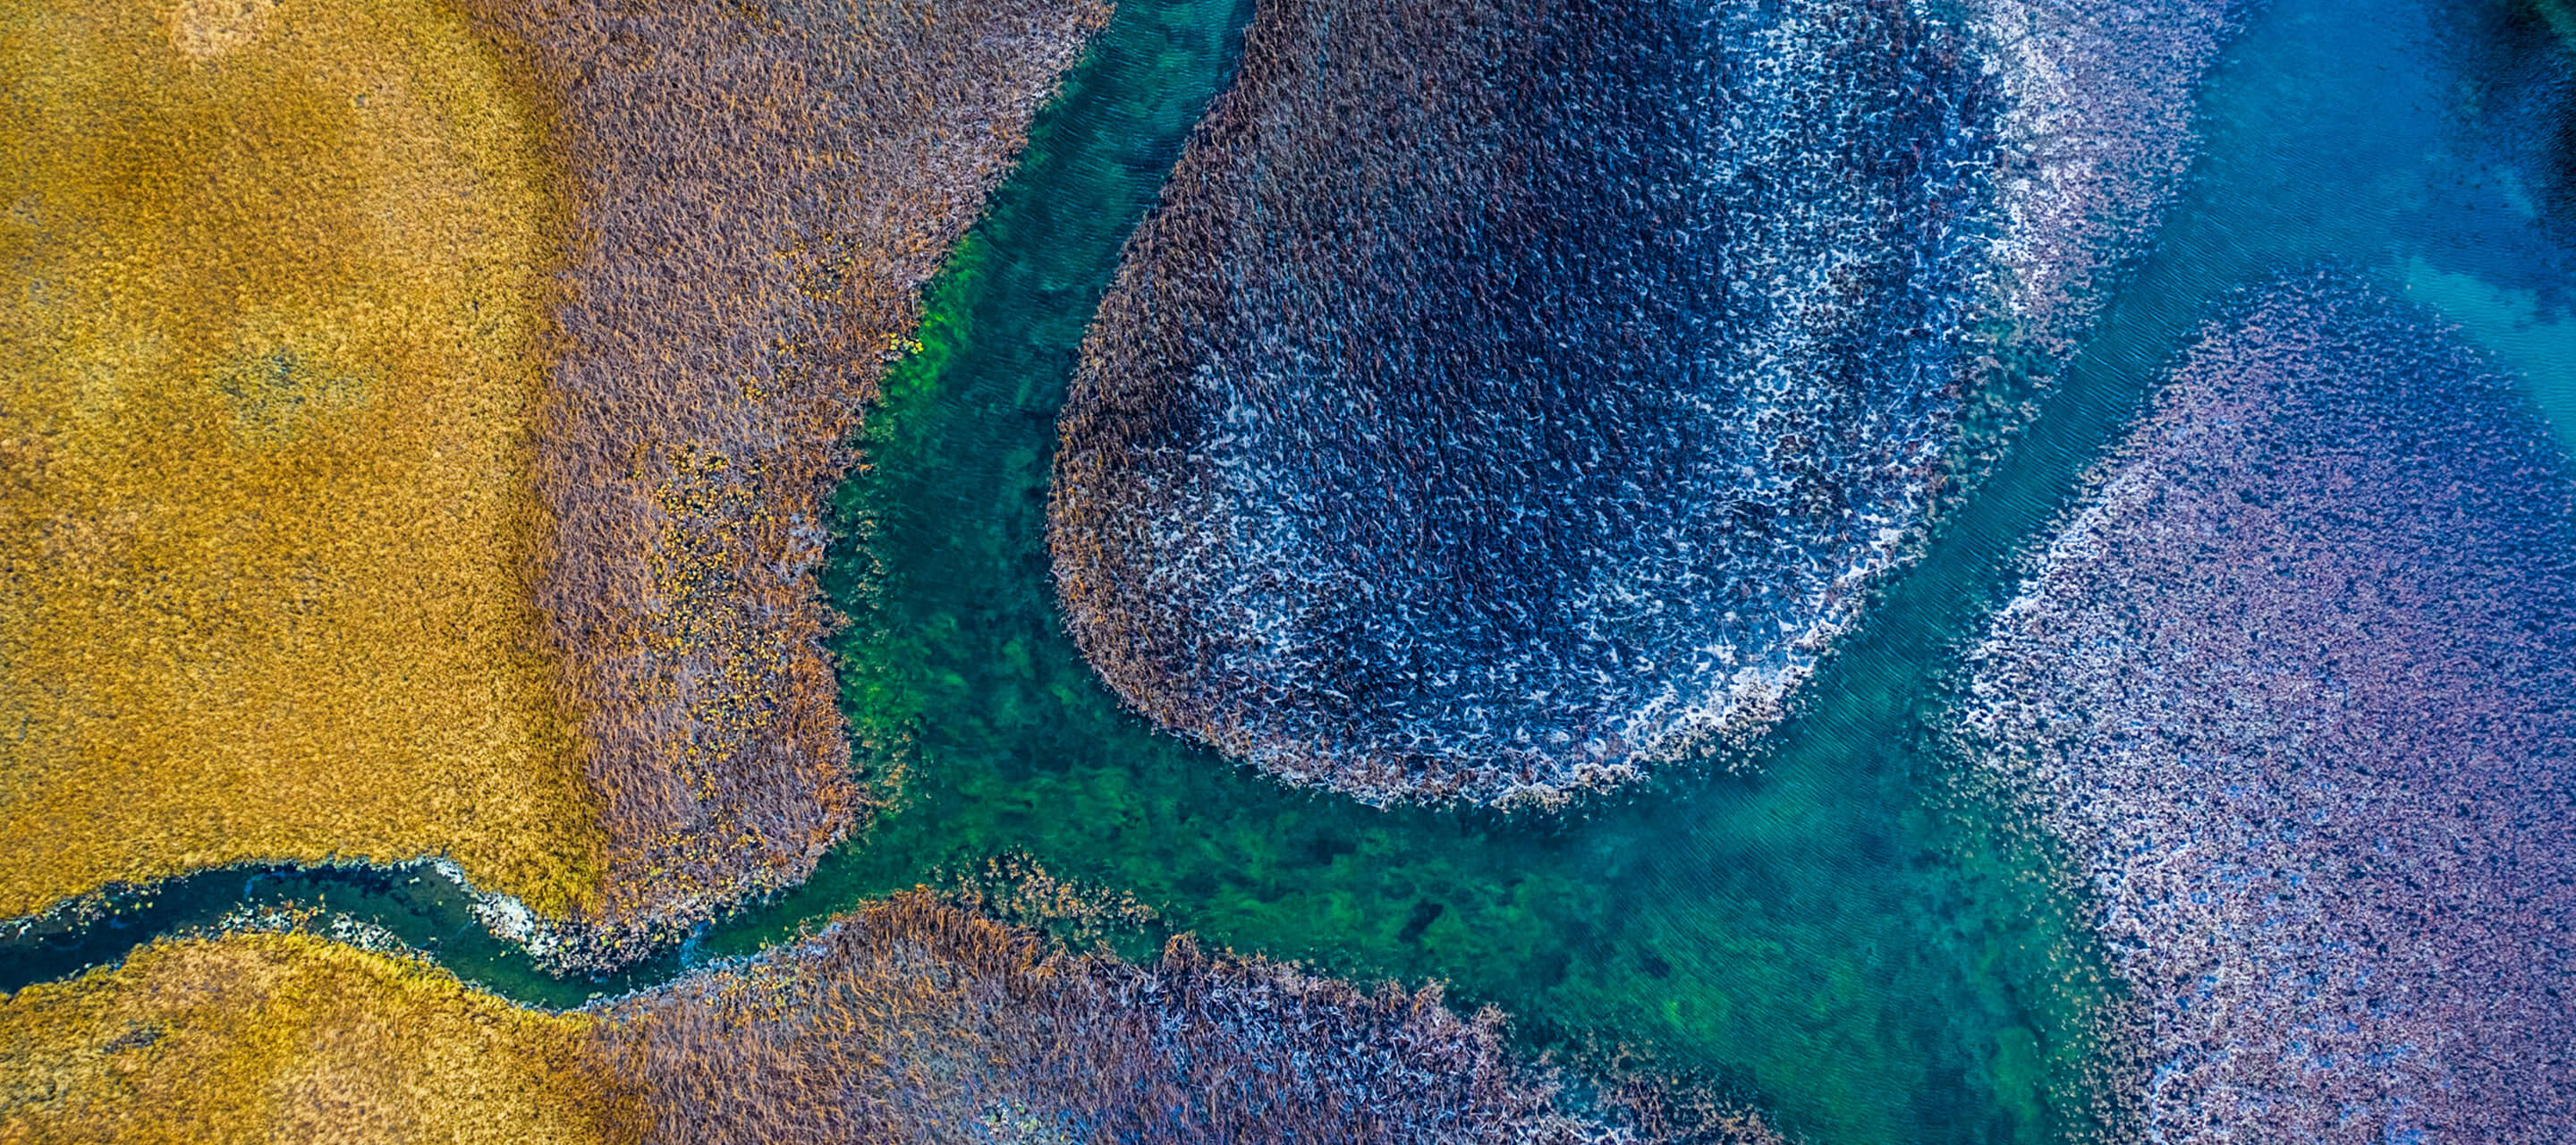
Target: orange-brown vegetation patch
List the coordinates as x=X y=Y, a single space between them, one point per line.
x=272 y=282
x=323 y=537
x=760 y=190
x=289 y=1037
x=914 y=1020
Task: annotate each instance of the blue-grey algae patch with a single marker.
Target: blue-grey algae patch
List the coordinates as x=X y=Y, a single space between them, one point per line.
x=1509 y=395
x=2295 y=691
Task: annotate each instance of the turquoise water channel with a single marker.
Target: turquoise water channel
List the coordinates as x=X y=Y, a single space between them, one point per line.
x=1824 y=925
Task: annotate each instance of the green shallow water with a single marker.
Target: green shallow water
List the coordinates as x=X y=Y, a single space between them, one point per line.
x=1820 y=926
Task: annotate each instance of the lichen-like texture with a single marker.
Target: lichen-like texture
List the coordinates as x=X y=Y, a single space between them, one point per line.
x=918 y=1021
x=1510 y=393
x=289 y=1037
x=2295 y=692
x=2096 y=131
x=271 y=290
x=759 y=191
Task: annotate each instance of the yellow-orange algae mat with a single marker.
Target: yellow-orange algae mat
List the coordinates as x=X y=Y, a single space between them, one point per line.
x=911 y=1019
x=274 y=280
x=414 y=421
x=292 y=1037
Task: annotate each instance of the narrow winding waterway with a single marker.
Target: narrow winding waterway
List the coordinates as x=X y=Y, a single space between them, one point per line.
x=1823 y=927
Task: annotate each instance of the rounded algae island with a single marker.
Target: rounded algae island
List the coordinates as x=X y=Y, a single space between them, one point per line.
x=1510 y=395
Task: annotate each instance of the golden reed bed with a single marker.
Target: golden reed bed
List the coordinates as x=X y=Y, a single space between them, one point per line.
x=415 y=419
x=290 y=1037
x=910 y=1020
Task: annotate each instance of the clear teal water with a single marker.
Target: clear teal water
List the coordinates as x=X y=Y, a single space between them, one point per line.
x=1825 y=930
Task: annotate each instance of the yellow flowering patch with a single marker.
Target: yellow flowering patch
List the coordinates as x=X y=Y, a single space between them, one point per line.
x=289 y=1037
x=271 y=306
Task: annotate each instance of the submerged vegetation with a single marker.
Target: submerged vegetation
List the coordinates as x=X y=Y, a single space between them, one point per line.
x=2295 y=691
x=917 y=1021
x=271 y=300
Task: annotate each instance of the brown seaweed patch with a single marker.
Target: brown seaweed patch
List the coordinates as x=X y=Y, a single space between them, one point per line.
x=915 y=1020
x=911 y=1020
x=759 y=193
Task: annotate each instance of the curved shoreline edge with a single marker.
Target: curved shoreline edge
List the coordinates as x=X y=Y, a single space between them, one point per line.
x=1444 y=440
x=2294 y=690
x=909 y=1020
x=760 y=195
x=746 y=229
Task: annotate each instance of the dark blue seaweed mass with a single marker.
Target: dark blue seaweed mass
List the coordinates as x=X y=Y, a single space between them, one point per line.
x=1511 y=393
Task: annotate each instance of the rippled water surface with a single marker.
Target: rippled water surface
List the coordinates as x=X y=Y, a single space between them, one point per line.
x=1823 y=928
